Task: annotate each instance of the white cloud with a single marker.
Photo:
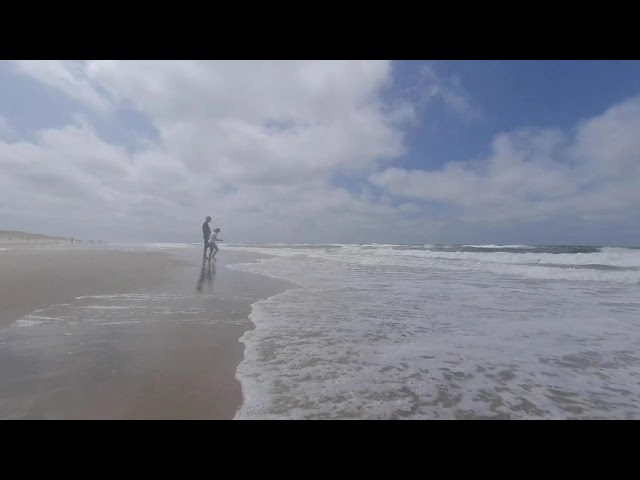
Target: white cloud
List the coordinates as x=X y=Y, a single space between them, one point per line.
x=255 y=144
x=266 y=121
x=69 y=77
x=608 y=144
x=539 y=174
x=434 y=86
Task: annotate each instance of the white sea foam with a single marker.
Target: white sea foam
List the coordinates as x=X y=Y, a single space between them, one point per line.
x=499 y=246
x=608 y=265
x=173 y=245
x=384 y=332
x=123 y=309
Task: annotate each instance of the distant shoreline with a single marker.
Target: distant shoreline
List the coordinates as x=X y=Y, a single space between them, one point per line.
x=18 y=237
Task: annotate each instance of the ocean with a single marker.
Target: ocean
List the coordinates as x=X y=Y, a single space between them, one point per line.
x=444 y=332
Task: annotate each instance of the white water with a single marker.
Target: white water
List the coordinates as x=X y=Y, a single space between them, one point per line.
x=386 y=332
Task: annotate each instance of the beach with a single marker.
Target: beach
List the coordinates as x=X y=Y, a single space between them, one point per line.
x=332 y=331
x=104 y=332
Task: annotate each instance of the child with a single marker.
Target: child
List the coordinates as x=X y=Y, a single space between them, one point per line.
x=212 y=243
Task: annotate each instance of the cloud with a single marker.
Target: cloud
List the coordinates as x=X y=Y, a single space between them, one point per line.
x=254 y=120
x=432 y=86
x=68 y=76
x=255 y=144
x=259 y=145
x=539 y=174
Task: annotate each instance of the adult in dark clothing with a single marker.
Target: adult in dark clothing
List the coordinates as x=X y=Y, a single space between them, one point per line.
x=206 y=233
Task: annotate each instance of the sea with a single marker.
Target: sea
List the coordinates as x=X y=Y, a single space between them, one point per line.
x=378 y=331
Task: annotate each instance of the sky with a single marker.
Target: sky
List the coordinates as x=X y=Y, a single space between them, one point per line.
x=420 y=152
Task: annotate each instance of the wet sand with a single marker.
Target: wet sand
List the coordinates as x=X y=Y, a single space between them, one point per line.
x=167 y=349
x=33 y=278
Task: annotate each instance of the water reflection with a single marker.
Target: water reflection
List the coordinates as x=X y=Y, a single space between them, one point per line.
x=207 y=274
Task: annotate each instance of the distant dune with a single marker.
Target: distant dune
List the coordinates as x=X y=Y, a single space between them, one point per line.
x=8 y=236
x=16 y=238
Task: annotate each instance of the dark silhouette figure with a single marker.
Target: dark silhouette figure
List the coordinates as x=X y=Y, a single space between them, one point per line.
x=206 y=233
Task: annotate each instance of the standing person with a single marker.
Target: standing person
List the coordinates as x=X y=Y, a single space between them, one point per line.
x=212 y=243
x=206 y=233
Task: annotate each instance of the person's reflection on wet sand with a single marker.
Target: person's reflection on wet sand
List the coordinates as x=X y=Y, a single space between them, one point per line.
x=206 y=275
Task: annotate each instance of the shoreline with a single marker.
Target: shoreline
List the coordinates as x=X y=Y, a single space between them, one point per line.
x=284 y=285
